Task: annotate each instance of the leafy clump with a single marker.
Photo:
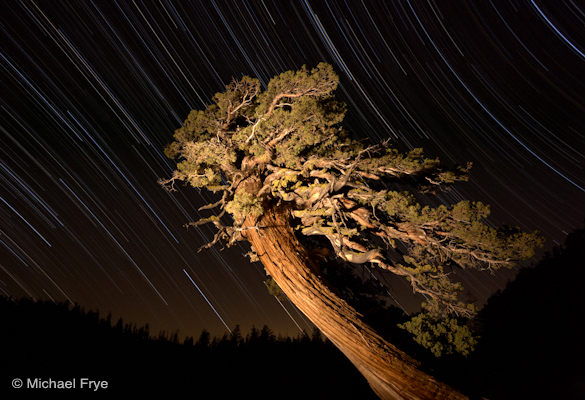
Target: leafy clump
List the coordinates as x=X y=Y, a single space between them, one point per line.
x=441 y=336
x=243 y=204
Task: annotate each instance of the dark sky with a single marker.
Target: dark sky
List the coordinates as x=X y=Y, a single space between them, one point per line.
x=92 y=91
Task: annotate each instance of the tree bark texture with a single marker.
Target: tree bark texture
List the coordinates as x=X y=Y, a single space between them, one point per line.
x=391 y=373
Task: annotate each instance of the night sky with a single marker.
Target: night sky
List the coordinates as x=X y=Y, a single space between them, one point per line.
x=91 y=92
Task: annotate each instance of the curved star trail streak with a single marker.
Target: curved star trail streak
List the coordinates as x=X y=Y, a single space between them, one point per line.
x=92 y=91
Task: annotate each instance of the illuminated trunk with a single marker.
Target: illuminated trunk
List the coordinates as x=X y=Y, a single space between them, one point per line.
x=390 y=372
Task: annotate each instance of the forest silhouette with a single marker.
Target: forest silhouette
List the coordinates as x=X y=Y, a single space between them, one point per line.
x=530 y=346
x=61 y=341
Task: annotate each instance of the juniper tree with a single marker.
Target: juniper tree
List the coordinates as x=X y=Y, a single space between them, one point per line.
x=284 y=169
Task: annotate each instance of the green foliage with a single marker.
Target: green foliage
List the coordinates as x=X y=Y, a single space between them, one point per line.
x=287 y=182
x=236 y=91
x=244 y=203
x=198 y=126
x=441 y=335
x=434 y=279
x=400 y=205
x=320 y=81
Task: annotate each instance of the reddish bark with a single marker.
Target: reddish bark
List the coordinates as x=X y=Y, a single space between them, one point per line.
x=391 y=373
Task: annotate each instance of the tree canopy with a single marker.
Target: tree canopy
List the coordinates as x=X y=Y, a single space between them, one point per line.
x=285 y=145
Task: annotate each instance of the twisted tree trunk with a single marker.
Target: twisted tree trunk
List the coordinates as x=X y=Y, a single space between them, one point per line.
x=390 y=372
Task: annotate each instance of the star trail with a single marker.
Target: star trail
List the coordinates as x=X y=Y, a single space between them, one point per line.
x=93 y=90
